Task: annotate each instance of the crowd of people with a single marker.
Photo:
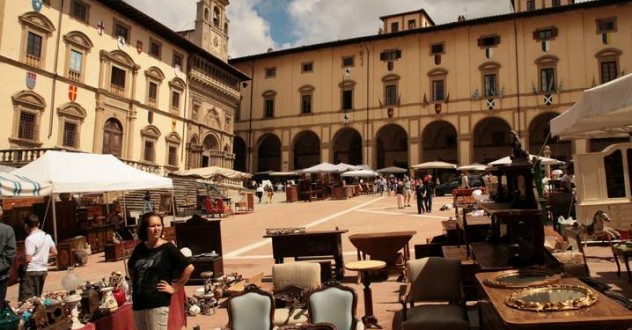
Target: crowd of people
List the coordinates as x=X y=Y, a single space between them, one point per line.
x=409 y=189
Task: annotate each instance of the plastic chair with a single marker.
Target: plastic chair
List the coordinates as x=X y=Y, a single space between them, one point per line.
x=447 y=310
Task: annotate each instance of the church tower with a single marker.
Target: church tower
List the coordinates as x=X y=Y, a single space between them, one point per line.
x=211 y=27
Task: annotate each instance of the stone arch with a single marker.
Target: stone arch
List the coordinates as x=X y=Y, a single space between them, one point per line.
x=306 y=149
x=38 y=21
x=269 y=153
x=391 y=146
x=155 y=73
x=438 y=142
x=490 y=139
x=211 y=142
x=78 y=39
x=30 y=99
x=240 y=150
x=539 y=135
x=346 y=146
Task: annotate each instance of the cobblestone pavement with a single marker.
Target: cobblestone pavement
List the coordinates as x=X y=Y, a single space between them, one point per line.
x=248 y=253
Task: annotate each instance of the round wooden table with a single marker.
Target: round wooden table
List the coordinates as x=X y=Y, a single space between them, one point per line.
x=364 y=267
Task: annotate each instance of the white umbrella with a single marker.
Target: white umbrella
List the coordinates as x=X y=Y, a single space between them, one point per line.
x=472 y=167
x=360 y=173
x=392 y=169
x=322 y=167
x=434 y=165
x=544 y=161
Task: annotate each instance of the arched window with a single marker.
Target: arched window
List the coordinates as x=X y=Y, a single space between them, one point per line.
x=112 y=138
x=216 y=17
x=28 y=108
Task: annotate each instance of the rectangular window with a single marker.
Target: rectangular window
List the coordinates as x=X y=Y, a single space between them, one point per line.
x=76 y=60
x=545 y=34
x=307 y=67
x=150 y=151
x=390 y=95
x=394 y=27
x=79 y=11
x=347 y=99
x=609 y=71
x=488 y=41
x=412 y=24
x=155 y=49
x=34 y=46
x=70 y=135
x=530 y=5
x=27 y=126
x=175 y=100
x=438 y=91
x=121 y=31
x=117 y=80
x=490 y=84
x=556 y=3
x=269 y=108
x=177 y=60
x=607 y=25
x=436 y=49
x=348 y=61
x=173 y=156
x=270 y=72
x=547 y=80
x=152 y=93
x=390 y=55
x=306 y=104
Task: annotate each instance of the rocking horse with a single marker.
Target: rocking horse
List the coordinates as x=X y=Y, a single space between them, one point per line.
x=597 y=228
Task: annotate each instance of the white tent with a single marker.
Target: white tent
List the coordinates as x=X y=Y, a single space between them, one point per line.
x=544 y=161
x=360 y=173
x=322 y=167
x=12 y=185
x=69 y=172
x=213 y=172
x=472 y=167
x=602 y=111
x=434 y=165
x=7 y=169
x=392 y=169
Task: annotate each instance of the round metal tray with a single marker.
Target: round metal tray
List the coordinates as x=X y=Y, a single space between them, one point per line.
x=552 y=298
x=522 y=278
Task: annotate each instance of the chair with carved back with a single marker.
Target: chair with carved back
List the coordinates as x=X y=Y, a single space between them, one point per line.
x=291 y=282
x=435 y=283
x=333 y=303
x=252 y=309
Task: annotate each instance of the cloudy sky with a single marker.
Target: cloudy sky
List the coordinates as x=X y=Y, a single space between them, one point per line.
x=256 y=25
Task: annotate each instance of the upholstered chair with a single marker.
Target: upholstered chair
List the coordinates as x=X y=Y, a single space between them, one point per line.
x=291 y=281
x=435 y=283
x=334 y=304
x=253 y=309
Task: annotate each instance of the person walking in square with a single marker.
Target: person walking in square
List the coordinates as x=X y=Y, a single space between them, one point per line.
x=399 y=190
x=147 y=207
x=408 y=191
x=428 y=186
x=420 y=194
x=7 y=255
x=259 y=192
x=38 y=247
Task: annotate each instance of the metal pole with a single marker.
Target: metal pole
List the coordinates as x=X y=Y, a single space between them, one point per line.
x=54 y=218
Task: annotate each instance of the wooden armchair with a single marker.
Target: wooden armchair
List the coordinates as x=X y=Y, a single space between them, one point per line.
x=621 y=251
x=447 y=310
x=335 y=304
x=253 y=309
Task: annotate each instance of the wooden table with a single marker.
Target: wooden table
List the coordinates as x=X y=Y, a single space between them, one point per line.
x=364 y=267
x=311 y=244
x=385 y=247
x=495 y=314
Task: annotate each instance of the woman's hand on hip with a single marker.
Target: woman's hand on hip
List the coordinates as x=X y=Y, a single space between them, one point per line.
x=163 y=286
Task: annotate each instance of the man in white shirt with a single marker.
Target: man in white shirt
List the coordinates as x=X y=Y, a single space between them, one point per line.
x=38 y=246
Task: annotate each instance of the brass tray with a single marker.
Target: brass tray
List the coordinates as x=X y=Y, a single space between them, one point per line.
x=522 y=278
x=552 y=298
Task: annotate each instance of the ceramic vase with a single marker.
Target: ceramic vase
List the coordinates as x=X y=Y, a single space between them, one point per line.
x=108 y=301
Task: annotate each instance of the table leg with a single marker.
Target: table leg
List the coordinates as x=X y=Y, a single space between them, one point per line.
x=368 y=319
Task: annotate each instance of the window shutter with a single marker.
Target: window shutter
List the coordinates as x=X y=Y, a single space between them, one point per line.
x=398 y=53
x=382 y=56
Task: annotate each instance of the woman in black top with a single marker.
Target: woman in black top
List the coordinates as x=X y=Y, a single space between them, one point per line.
x=152 y=267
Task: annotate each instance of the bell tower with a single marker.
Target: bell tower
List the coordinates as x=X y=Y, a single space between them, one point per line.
x=211 y=27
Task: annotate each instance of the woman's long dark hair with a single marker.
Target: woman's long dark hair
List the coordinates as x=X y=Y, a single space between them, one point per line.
x=144 y=224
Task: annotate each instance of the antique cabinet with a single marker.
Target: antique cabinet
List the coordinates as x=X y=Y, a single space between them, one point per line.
x=99 y=236
x=204 y=238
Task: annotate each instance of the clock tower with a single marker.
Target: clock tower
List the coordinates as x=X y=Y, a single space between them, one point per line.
x=211 y=27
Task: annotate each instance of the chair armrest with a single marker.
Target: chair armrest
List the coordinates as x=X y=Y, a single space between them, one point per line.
x=404 y=293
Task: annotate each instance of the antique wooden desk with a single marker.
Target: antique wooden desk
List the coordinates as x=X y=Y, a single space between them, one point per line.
x=317 y=244
x=495 y=314
x=385 y=247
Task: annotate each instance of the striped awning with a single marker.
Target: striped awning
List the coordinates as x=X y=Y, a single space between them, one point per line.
x=19 y=186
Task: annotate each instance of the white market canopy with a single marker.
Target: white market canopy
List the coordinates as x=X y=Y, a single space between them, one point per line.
x=360 y=173
x=289 y=173
x=12 y=185
x=70 y=172
x=214 y=172
x=392 y=169
x=602 y=111
x=326 y=167
x=7 y=169
x=434 y=165
x=544 y=161
x=472 y=167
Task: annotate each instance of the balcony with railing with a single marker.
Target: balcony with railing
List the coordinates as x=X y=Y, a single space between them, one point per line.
x=33 y=61
x=74 y=75
x=117 y=89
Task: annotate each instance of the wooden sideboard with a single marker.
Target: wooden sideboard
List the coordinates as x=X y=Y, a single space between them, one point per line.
x=203 y=237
